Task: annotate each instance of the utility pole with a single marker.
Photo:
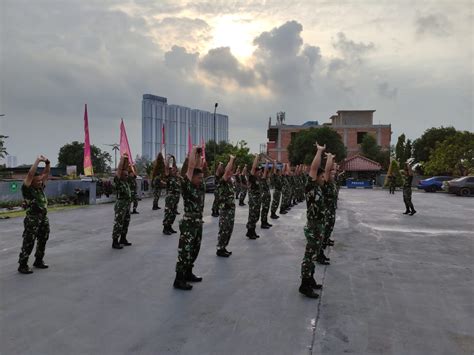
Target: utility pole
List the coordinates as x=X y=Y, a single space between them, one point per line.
x=215 y=139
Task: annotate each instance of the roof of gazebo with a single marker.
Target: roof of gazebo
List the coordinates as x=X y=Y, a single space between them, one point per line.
x=360 y=163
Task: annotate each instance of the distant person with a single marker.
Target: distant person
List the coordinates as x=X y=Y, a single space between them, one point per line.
x=217 y=179
x=237 y=183
x=265 y=196
x=243 y=186
x=157 y=182
x=407 y=174
x=36 y=221
x=173 y=192
x=132 y=181
x=391 y=184
x=122 y=205
x=255 y=202
x=277 y=185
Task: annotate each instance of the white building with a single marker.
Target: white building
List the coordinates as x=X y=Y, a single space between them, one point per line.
x=178 y=121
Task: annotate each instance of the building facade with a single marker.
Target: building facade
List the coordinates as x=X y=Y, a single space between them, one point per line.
x=352 y=126
x=179 y=122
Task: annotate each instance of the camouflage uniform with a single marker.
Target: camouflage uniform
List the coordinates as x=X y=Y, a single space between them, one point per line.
x=226 y=213
x=132 y=181
x=314 y=228
x=173 y=191
x=254 y=202
x=243 y=189
x=391 y=184
x=407 y=181
x=36 y=223
x=266 y=199
x=156 y=184
x=122 y=209
x=330 y=199
x=277 y=183
x=285 y=193
x=215 y=204
x=237 y=186
x=190 y=226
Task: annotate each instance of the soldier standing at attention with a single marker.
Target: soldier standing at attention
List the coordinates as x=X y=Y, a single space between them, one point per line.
x=36 y=221
x=277 y=184
x=173 y=191
x=193 y=191
x=237 y=183
x=266 y=197
x=226 y=210
x=285 y=201
x=217 y=179
x=132 y=181
x=407 y=174
x=157 y=179
x=122 y=205
x=314 y=227
x=243 y=186
x=391 y=184
x=254 y=199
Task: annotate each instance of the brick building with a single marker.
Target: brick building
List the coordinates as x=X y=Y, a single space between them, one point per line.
x=352 y=126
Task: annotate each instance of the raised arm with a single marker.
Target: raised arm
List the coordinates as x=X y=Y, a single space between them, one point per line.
x=265 y=170
x=254 y=165
x=123 y=165
x=228 y=169
x=328 y=167
x=313 y=172
x=409 y=169
x=192 y=163
x=32 y=172
x=47 y=170
x=167 y=165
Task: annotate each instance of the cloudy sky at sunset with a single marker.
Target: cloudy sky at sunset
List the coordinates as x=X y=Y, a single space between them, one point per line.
x=411 y=61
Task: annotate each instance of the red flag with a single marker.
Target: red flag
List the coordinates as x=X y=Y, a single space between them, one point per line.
x=190 y=141
x=88 y=171
x=124 y=146
x=163 y=141
x=203 y=145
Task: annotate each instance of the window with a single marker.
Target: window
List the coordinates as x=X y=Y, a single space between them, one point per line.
x=360 y=137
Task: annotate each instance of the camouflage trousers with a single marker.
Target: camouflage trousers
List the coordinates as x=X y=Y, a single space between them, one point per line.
x=407 y=199
x=134 y=201
x=122 y=219
x=254 y=210
x=237 y=191
x=243 y=194
x=266 y=200
x=171 y=209
x=285 y=199
x=313 y=244
x=36 y=228
x=189 y=243
x=215 y=204
x=226 y=225
x=276 y=200
x=156 y=196
x=329 y=222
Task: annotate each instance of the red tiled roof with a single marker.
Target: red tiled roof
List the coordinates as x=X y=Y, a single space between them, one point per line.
x=360 y=163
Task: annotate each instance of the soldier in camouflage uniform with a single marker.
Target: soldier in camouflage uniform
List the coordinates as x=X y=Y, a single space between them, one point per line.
x=237 y=183
x=132 y=181
x=266 y=197
x=122 y=205
x=277 y=185
x=193 y=191
x=36 y=221
x=157 y=182
x=173 y=191
x=285 y=191
x=243 y=186
x=217 y=179
x=254 y=199
x=407 y=175
x=226 y=210
x=314 y=227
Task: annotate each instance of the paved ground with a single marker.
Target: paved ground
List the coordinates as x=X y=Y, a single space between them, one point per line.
x=396 y=285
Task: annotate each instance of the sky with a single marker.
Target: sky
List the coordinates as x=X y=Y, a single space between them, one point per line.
x=410 y=61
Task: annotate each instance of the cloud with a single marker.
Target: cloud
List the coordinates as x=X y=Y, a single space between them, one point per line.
x=350 y=49
x=385 y=91
x=436 y=25
x=180 y=59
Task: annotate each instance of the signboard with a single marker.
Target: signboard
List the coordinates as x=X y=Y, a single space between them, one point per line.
x=71 y=170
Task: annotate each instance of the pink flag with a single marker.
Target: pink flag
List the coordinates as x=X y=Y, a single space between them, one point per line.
x=88 y=171
x=190 y=141
x=203 y=145
x=124 y=146
x=163 y=141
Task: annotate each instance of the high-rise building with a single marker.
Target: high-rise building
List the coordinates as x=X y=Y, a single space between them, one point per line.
x=12 y=161
x=178 y=122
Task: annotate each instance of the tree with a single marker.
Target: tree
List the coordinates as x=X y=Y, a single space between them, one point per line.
x=3 y=150
x=143 y=165
x=372 y=150
x=73 y=154
x=408 y=150
x=301 y=149
x=424 y=146
x=453 y=156
x=394 y=169
x=220 y=148
x=400 y=150
x=241 y=153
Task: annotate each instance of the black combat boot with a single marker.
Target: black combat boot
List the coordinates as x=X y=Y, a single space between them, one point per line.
x=406 y=212
x=167 y=231
x=330 y=242
x=135 y=211
x=124 y=242
x=412 y=212
x=189 y=276
x=172 y=230
x=116 y=244
x=241 y=204
x=24 y=269
x=215 y=214
x=265 y=225
x=223 y=253
x=39 y=263
x=322 y=256
x=274 y=216
x=180 y=283
x=251 y=233
x=283 y=212
x=314 y=284
x=321 y=259
x=306 y=288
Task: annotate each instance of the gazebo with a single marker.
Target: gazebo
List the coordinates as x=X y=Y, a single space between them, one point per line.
x=360 y=170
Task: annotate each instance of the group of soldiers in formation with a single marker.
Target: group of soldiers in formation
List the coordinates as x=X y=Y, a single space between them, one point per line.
x=291 y=186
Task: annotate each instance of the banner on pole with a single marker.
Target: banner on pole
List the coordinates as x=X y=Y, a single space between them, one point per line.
x=124 y=146
x=88 y=170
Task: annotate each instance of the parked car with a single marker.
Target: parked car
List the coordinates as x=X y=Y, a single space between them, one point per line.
x=211 y=183
x=463 y=186
x=434 y=183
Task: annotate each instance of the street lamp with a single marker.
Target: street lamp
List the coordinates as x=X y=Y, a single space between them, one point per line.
x=115 y=148
x=215 y=139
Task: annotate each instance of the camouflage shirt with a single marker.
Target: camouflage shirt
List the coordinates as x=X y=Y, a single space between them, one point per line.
x=254 y=184
x=173 y=185
x=264 y=186
x=193 y=199
x=330 y=195
x=315 y=204
x=407 y=180
x=226 y=194
x=122 y=189
x=132 y=182
x=35 y=200
x=277 y=182
x=156 y=182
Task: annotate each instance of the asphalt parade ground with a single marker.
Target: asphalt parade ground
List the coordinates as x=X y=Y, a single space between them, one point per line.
x=396 y=284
